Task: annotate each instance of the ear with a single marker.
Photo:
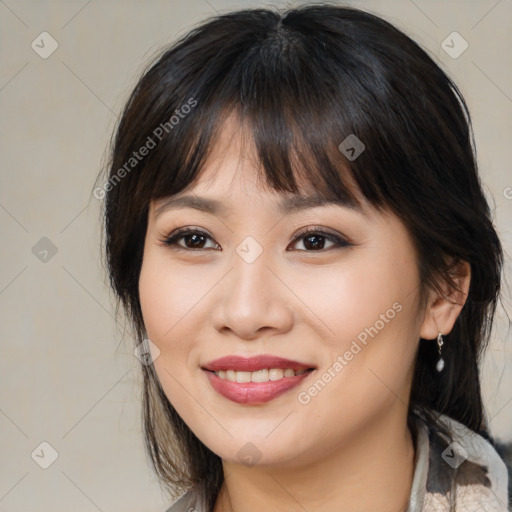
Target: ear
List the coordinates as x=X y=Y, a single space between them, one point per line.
x=442 y=310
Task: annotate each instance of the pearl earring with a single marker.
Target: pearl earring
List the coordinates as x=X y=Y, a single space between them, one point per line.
x=440 y=362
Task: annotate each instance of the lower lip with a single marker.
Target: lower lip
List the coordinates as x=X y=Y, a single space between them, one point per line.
x=254 y=392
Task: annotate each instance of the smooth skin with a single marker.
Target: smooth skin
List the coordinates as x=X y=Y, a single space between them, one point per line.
x=304 y=299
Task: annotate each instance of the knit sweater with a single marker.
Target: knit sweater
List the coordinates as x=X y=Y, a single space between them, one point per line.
x=459 y=473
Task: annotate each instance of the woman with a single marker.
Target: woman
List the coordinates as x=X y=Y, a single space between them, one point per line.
x=295 y=225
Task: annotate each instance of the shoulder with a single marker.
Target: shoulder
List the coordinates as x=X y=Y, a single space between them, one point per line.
x=187 y=503
x=466 y=468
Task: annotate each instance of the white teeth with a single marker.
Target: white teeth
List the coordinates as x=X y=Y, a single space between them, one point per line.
x=275 y=374
x=258 y=376
x=243 y=376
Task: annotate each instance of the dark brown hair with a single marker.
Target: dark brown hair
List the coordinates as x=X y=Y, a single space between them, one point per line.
x=303 y=80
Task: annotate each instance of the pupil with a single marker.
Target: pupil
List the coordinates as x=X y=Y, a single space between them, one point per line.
x=314 y=245
x=196 y=238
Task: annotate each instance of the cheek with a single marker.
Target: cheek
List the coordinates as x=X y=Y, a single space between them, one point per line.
x=156 y=300
x=170 y=297
x=167 y=301
x=351 y=296
x=368 y=309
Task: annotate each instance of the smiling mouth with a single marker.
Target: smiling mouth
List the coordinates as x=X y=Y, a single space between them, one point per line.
x=263 y=375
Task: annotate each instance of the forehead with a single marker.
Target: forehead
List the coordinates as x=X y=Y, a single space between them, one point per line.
x=228 y=180
x=234 y=166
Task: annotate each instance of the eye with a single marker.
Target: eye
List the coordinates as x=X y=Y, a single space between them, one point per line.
x=193 y=239
x=313 y=239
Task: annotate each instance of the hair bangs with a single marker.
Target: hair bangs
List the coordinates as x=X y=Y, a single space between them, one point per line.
x=280 y=101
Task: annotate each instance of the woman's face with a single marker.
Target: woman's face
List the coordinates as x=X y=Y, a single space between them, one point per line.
x=342 y=299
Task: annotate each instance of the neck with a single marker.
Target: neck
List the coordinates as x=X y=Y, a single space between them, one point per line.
x=375 y=467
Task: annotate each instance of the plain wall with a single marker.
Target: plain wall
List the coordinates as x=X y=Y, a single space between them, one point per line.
x=69 y=378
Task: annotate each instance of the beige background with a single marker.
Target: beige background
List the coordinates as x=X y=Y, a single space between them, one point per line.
x=69 y=378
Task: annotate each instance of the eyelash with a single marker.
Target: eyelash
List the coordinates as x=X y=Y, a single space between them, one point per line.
x=172 y=239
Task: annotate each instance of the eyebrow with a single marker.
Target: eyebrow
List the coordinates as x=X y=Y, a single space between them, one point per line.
x=287 y=205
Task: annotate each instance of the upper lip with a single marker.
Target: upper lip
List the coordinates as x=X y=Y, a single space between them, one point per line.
x=255 y=363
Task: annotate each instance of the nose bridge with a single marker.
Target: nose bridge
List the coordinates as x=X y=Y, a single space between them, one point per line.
x=250 y=279
x=252 y=297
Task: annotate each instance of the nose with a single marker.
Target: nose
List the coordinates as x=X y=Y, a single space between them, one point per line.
x=253 y=301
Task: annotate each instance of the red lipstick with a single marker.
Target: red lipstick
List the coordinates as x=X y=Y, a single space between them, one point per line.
x=254 y=392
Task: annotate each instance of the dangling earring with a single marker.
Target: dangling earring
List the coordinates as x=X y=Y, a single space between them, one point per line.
x=440 y=362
